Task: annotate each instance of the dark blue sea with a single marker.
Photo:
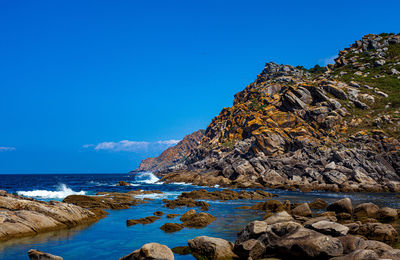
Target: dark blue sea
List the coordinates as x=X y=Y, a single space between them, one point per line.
x=110 y=238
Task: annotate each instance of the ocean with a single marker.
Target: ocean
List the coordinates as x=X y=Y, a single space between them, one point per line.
x=110 y=238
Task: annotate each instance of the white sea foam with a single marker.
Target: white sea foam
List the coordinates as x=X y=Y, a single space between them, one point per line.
x=147 y=177
x=61 y=192
x=181 y=183
x=170 y=194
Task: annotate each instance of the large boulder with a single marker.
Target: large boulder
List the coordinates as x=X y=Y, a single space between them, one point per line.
x=318 y=204
x=34 y=254
x=302 y=210
x=341 y=206
x=377 y=231
x=351 y=243
x=290 y=239
x=388 y=214
x=150 y=251
x=366 y=210
x=212 y=248
x=329 y=228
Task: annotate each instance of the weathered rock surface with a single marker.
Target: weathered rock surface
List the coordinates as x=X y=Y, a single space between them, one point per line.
x=293 y=130
x=34 y=254
x=173 y=155
x=171 y=227
x=150 y=251
x=212 y=248
x=21 y=216
x=329 y=228
x=144 y=221
x=196 y=220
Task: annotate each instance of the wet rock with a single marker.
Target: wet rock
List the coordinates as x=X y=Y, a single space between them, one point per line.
x=341 y=206
x=172 y=215
x=171 y=227
x=123 y=183
x=329 y=228
x=366 y=210
x=158 y=213
x=269 y=205
x=39 y=255
x=212 y=248
x=388 y=214
x=196 y=220
x=318 y=204
x=181 y=250
x=226 y=195
x=302 y=210
x=111 y=200
x=150 y=251
x=144 y=221
x=186 y=202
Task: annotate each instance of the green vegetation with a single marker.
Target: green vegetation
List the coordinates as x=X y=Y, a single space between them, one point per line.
x=317 y=69
x=229 y=144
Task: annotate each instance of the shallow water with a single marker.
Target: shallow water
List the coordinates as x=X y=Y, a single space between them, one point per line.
x=110 y=238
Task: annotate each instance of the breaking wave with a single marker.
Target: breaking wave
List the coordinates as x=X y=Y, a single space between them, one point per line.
x=147 y=177
x=61 y=192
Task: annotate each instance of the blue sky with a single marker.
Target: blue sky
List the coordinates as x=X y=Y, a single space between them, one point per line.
x=96 y=86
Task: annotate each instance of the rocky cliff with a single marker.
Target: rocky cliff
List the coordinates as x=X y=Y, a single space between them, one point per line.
x=334 y=129
x=172 y=156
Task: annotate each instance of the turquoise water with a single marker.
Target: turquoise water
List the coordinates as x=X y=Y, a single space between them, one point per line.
x=110 y=238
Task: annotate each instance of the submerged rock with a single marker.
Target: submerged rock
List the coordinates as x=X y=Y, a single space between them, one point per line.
x=144 y=221
x=34 y=254
x=171 y=227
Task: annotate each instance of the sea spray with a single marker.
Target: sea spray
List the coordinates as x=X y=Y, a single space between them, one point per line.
x=146 y=177
x=61 y=192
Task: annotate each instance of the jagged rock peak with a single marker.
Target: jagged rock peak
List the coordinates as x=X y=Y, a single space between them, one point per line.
x=273 y=70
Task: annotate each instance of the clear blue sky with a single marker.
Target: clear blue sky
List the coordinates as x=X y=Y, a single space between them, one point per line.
x=76 y=74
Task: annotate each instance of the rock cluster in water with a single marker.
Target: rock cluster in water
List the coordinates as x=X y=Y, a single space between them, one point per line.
x=20 y=216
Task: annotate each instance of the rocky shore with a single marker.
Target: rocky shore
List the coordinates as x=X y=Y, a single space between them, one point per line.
x=20 y=216
x=336 y=128
x=310 y=230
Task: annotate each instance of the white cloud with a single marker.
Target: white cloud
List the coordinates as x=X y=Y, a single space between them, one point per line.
x=131 y=146
x=7 y=149
x=169 y=142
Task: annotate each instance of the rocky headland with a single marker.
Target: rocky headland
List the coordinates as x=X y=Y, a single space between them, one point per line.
x=335 y=128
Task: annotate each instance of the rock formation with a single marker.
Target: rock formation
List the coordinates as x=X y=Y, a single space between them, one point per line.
x=173 y=155
x=337 y=130
x=21 y=216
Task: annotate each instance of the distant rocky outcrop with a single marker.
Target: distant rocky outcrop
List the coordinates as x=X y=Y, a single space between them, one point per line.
x=173 y=155
x=21 y=216
x=293 y=128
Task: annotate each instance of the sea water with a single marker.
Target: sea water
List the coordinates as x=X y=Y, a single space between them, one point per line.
x=110 y=238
